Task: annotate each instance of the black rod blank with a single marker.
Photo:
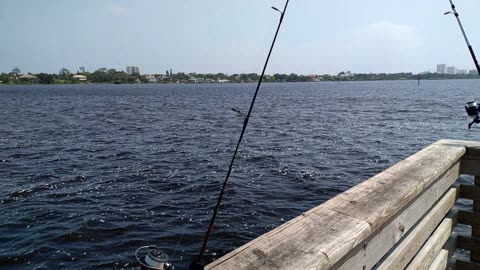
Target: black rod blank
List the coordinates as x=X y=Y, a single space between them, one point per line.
x=245 y=123
x=470 y=49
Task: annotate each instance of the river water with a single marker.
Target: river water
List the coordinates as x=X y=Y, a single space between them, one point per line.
x=88 y=173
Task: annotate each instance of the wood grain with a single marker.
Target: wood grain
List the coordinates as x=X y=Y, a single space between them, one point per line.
x=350 y=224
x=409 y=246
x=432 y=247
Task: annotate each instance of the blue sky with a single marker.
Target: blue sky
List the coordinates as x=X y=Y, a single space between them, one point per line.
x=233 y=36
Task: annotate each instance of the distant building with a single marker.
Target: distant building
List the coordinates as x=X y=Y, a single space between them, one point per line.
x=27 y=78
x=451 y=70
x=461 y=71
x=441 y=68
x=473 y=71
x=151 y=78
x=133 y=70
x=81 y=78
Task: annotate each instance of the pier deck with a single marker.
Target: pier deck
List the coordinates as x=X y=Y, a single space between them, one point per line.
x=402 y=218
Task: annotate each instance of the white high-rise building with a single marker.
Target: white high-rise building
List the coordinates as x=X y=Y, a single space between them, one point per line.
x=441 y=68
x=451 y=70
x=133 y=70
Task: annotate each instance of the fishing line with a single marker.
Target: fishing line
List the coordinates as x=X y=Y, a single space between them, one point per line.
x=198 y=264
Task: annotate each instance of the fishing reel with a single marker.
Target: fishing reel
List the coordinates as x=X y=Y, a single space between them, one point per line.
x=473 y=110
x=155 y=259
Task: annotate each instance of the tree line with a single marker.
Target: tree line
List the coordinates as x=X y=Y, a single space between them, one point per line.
x=65 y=76
x=104 y=75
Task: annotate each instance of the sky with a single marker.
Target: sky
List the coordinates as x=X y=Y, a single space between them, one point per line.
x=233 y=36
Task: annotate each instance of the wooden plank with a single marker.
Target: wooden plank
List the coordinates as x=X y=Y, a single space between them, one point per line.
x=475 y=254
x=470 y=166
x=387 y=237
x=471 y=159
x=432 y=247
x=476 y=203
x=382 y=196
x=440 y=262
x=409 y=246
x=299 y=243
x=469 y=218
x=470 y=192
x=468 y=242
x=470 y=145
x=450 y=246
x=466 y=265
x=328 y=234
x=473 y=151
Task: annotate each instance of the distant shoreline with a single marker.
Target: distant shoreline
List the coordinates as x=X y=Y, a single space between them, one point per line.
x=251 y=82
x=113 y=76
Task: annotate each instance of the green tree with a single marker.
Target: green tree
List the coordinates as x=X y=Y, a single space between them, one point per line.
x=292 y=77
x=253 y=76
x=180 y=76
x=64 y=74
x=280 y=77
x=120 y=77
x=45 y=78
x=100 y=75
x=16 y=71
x=5 y=78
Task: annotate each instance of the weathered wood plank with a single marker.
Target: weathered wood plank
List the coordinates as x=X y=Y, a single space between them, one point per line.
x=469 y=218
x=409 y=246
x=429 y=251
x=466 y=265
x=322 y=237
x=450 y=246
x=470 y=192
x=385 y=194
x=470 y=145
x=298 y=244
x=471 y=159
x=376 y=247
x=440 y=262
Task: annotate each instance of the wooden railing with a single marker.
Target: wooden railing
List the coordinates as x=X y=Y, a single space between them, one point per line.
x=401 y=218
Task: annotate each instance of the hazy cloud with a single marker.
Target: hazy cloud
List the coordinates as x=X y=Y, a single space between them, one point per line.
x=386 y=33
x=115 y=8
x=384 y=46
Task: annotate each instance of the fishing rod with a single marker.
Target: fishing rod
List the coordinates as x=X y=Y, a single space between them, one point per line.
x=155 y=258
x=198 y=264
x=472 y=53
x=472 y=108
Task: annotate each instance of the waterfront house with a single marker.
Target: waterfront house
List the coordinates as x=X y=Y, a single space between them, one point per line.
x=81 y=78
x=27 y=78
x=151 y=78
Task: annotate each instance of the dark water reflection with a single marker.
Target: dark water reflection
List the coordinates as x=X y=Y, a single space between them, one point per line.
x=88 y=173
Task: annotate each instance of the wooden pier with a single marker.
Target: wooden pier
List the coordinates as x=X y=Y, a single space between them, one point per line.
x=402 y=218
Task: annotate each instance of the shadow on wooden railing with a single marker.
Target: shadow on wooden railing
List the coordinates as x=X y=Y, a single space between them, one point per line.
x=401 y=218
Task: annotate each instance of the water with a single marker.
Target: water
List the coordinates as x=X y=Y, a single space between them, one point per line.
x=88 y=173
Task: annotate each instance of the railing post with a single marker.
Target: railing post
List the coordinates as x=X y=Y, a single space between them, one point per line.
x=475 y=254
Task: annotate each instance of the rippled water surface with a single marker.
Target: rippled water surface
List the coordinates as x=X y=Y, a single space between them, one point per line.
x=88 y=173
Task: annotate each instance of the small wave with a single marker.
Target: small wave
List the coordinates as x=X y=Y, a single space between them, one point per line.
x=14 y=196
